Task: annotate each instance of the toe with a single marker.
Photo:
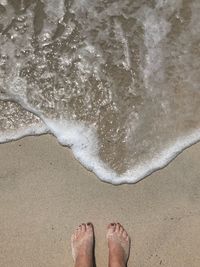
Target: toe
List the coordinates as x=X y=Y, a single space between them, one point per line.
x=89 y=226
x=128 y=239
x=77 y=231
x=83 y=227
x=111 y=228
x=121 y=229
x=124 y=234
x=76 y=234
x=117 y=229
x=73 y=237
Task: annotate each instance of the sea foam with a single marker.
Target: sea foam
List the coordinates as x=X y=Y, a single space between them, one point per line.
x=84 y=143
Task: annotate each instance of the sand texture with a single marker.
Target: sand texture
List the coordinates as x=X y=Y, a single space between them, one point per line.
x=45 y=194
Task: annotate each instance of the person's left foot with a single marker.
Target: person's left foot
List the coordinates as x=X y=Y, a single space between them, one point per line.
x=82 y=243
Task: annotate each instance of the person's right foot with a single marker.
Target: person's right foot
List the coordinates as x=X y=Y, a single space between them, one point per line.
x=118 y=244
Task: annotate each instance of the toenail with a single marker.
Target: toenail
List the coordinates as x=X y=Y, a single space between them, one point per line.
x=88 y=223
x=112 y=224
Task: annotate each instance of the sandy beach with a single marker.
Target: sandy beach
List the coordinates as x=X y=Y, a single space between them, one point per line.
x=45 y=193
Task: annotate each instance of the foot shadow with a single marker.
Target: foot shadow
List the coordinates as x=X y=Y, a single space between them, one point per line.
x=94 y=258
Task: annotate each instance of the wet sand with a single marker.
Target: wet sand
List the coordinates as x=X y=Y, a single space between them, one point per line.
x=45 y=193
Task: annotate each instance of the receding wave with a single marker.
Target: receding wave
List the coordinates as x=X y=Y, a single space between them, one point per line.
x=117 y=81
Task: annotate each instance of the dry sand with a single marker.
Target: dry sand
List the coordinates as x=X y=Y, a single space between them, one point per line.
x=45 y=193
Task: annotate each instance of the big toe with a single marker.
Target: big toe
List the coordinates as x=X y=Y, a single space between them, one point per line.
x=111 y=228
x=89 y=227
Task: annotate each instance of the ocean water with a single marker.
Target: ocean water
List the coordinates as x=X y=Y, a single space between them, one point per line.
x=118 y=81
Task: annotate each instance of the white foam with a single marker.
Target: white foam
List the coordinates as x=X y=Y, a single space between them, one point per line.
x=84 y=143
x=121 y=36
x=3 y=2
x=36 y=129
x=155 y=30
x=85 y=146
x=54 y=9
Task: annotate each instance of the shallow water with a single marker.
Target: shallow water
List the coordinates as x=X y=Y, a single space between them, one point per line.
x=117 y=81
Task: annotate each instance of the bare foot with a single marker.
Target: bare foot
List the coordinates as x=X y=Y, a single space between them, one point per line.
x=82 y=243
x=118 y=244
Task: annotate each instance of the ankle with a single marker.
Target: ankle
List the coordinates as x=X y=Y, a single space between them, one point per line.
x=83 y=263
x=116 y=262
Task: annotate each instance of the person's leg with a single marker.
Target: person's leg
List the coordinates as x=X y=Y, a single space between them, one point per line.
x=82 y=243
x=118 y=244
